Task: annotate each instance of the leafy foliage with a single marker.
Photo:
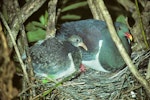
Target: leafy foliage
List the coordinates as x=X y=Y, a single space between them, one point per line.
x=71 y=17
x=37 y=30
x=68 y=9
x=74 y=6
x=36 y=35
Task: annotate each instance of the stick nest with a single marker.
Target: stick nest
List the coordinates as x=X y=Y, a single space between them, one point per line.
x=94 y=85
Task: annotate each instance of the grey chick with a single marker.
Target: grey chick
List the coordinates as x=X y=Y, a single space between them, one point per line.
x=56 y=59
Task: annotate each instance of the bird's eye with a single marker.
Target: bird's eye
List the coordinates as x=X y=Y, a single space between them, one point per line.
x=77 y=40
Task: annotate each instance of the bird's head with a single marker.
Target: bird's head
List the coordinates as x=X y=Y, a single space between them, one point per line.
x=77 y=41
x=123 y=31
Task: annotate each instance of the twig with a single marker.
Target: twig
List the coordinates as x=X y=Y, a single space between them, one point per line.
x=132 y=89
x=51 y=30
x=94 y=9
x=73 y=84
x=56 y=85
x=29 y=64
x=120 y=46
x=27 y=51
x=141 y=25
x=127 y=4
x=47 y=91
x=25 y=90
x=16 y=48
x=148 y=71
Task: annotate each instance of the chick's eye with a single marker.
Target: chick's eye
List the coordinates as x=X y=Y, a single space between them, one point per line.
x=77 y=40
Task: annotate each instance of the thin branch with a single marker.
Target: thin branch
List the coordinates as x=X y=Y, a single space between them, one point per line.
x=120 y=47
x=94 y=9
x=16 y=48
x=27 y=51
x=51 y=30
x=141 y=25
x=127 y=4
x=29 y=63
x=148 y=70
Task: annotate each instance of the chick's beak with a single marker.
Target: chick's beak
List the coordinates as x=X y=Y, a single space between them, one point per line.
x=83 y=46
x=129 y=36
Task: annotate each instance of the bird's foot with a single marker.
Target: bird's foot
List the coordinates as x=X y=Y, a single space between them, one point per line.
x=82 y=68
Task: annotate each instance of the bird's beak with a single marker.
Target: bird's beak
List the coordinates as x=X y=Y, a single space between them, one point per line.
x=129 y=36
x=83 y=46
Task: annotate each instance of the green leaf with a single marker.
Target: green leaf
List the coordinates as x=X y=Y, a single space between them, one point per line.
x=34 y=25
x=44 y=81
x=30 y=26
x=71 y=17
x=121 y=19
x=42 y=19
x=74 y=6
x=36 y=35
x=38 y=24
x=49 y=78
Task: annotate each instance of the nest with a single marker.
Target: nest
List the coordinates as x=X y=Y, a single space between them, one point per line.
x=94 y=85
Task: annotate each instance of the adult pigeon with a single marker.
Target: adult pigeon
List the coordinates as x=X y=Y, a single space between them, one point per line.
x=102 y=53
x=54 y=59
